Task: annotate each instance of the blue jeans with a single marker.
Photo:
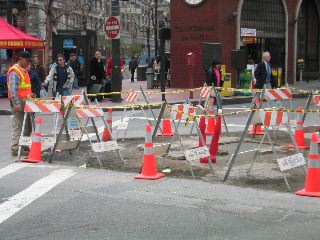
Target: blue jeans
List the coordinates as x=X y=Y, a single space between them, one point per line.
x=66 y=91
x=75 y=83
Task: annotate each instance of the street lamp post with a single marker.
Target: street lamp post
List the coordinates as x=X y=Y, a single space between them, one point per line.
x=116 y=83
x=156 y=28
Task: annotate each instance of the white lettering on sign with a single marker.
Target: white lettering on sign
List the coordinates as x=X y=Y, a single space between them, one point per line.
x=197 y=153
x=47 y=142
x=248 y=32
x=290 y=162
x=105 y=146
x=123 y=125
x=74 y=133
x=25 y=141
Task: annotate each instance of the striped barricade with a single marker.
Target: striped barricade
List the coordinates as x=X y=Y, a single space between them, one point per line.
x=89 y=112
x=76 y=100
x=316 y=100
x=132 y=97
x=182 y=111
x=273 y=118
x=278 y=94
x=42 y=106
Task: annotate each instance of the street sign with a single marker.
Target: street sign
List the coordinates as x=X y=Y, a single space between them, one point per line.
x=131 y=10
x=248 y=32
x=112 y=27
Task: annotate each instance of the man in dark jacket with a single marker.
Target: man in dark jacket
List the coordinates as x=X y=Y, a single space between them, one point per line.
x=75 y=65
x=263 y=73
x=133 y=64
x=97 y=72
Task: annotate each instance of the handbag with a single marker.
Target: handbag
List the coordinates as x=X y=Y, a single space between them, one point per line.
x=43 y=93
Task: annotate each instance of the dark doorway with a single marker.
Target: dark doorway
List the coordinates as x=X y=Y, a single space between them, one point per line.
x=308 y=39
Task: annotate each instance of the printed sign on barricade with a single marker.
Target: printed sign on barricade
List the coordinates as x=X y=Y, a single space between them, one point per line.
x=105 y=146
x=197 y=153
x=290 y=162
x=38 y=106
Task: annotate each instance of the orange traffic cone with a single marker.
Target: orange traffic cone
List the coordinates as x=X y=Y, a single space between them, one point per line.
x=211 y=124
x=166 y=128
x=312 y=184
x=106 y=136
x=149 y=166
x=214 y=146
x=256 y=129
x=299 y=132
x=35 y=150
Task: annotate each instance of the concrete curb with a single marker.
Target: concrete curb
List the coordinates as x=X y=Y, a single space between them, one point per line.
x=5 y=112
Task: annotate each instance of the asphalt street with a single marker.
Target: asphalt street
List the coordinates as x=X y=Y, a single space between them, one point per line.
x=48 y=201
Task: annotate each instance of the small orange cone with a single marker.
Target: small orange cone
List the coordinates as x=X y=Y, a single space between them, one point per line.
x=211 y=124
x=312 y=184
x=202 y=127
x=149 y=166
x=35 y=150
x=256 y=128
x=106 y=136
x=166 y=128
x=299 y=132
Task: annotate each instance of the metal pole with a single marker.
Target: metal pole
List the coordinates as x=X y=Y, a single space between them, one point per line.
x=156 y=28
x=116 y=85
x=163 y=66
x=9 y=12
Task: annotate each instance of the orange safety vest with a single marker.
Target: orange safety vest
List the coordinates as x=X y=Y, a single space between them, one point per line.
x=24 y=88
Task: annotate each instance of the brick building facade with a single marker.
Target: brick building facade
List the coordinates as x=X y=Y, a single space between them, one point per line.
x=289 y=29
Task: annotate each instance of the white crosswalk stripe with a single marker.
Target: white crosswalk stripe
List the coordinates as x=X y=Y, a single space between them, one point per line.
x=15 y=203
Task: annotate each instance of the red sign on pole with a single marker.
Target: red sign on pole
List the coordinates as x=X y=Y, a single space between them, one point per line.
x=112 y=27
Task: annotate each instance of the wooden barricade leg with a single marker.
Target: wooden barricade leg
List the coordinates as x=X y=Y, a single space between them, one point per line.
x=86 y=100
x=108 y=129
x=150 y=109
x=22 y=131
x=244 y=133
x=160 y=116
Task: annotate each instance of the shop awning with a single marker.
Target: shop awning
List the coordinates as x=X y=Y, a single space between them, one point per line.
x=11 y=37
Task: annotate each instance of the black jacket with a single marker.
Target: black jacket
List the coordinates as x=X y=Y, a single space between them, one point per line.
x=260 y=73
x=97 y=70
x=133 y=64
x=35 y=82
x=212 y=78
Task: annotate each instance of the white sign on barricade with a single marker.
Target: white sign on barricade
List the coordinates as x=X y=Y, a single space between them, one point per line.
x=123 y=125
x=25 y=141
x=75 y=133
x=47 y=142
x=105 y=146
x=197 y=153
x=290 y=162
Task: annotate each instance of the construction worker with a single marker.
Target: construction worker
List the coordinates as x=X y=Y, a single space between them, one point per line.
x=19 y=89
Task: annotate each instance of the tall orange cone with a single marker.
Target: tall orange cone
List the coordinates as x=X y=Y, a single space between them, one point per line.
x=256 y=128
x=214 y=146
x=211 y=123
x=299 y=132
x=106 y=136
x=202 y=126
x=35 y=150
x=149 y=166
x=312 y=184
x=166 y=128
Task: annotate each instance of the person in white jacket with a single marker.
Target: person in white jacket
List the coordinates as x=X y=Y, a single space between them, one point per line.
x=62 y=77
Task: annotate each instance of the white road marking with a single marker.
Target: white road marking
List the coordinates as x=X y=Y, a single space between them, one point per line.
x=12 y=168
x=36 y=190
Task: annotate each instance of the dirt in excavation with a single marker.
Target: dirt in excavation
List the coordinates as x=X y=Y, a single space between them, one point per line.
x=265 y=173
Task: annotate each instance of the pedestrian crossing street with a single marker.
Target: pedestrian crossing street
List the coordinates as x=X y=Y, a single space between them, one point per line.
x=40 y=184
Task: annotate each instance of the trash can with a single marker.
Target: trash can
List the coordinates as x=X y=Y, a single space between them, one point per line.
x=150 y=78
x=141 y=73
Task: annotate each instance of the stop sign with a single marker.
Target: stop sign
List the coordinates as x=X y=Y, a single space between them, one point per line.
x=112 y=27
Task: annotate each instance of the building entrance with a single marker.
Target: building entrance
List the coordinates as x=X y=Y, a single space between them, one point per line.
x=308 y=39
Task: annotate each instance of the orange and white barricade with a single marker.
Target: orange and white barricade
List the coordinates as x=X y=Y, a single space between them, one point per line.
x=89 y=111
x=278 y=97
x=131 y=99
x=76 y=100
x=38 y=106
x=270 y=119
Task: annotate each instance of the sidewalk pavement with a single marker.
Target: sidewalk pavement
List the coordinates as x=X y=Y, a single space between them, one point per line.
x=174 y=97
